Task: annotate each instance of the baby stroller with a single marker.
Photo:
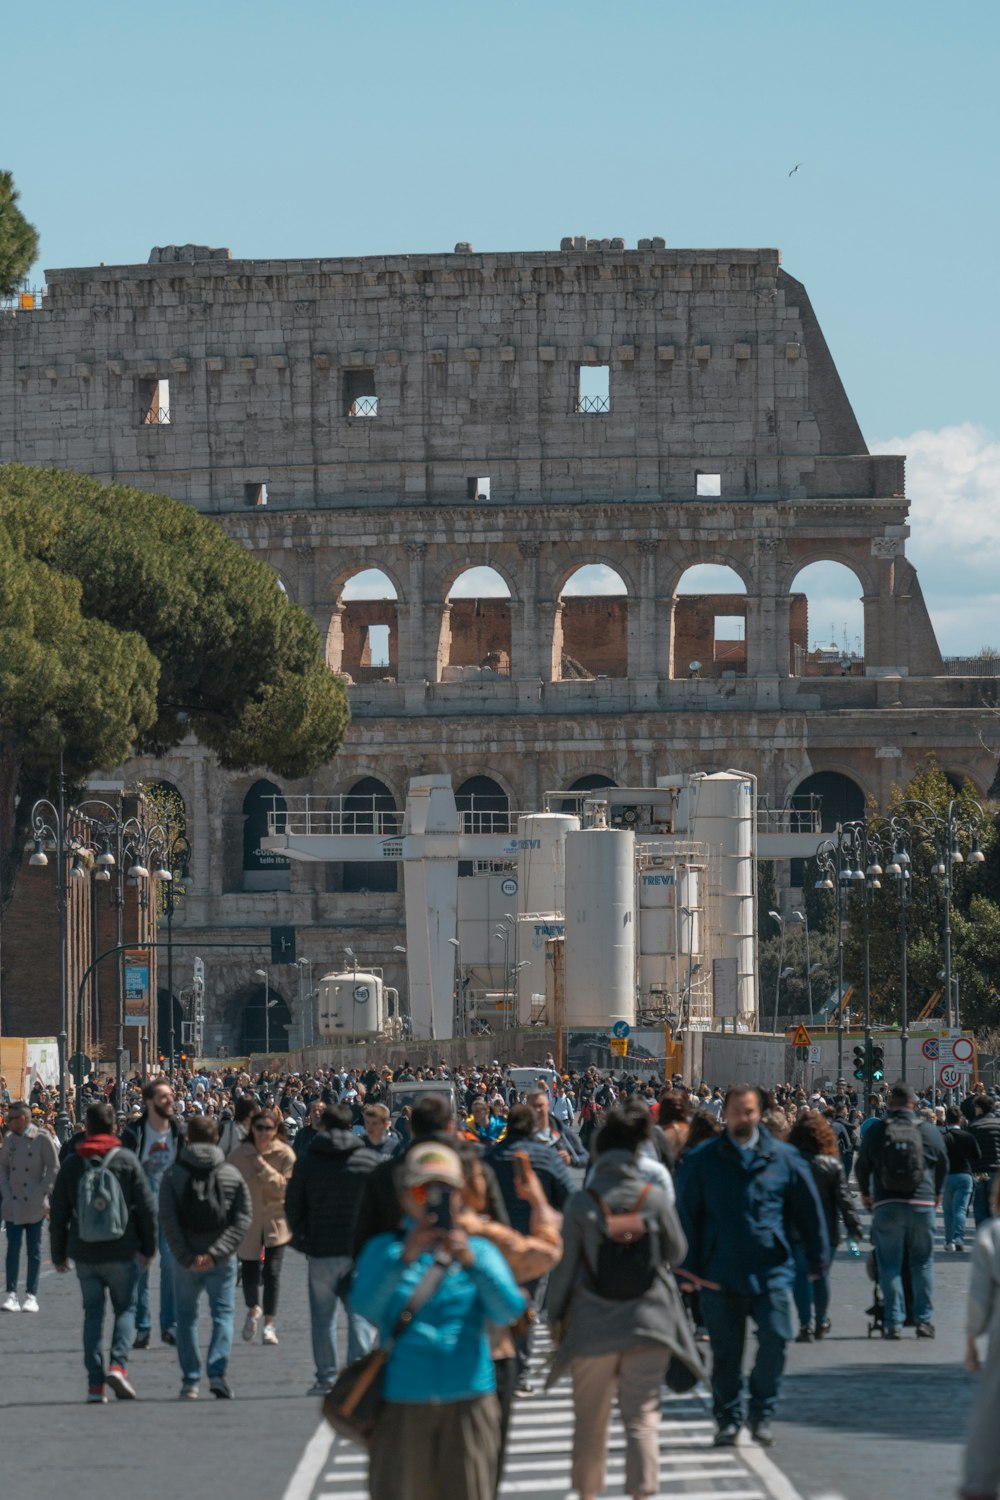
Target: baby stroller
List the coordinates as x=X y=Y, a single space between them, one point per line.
x=876 y=1313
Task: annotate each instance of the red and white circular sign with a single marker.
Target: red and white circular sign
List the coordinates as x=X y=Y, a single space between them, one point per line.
x=949 y=1076
x=963 y=1049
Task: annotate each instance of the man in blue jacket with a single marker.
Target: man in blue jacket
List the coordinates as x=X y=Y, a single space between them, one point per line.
x=738 y=1196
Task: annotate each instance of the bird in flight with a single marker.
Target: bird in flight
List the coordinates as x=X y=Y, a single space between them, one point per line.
x=796 y=167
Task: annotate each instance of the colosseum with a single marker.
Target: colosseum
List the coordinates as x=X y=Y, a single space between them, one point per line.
x=375 y=428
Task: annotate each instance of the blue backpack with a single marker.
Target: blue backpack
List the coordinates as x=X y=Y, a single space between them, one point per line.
x=101 y=1210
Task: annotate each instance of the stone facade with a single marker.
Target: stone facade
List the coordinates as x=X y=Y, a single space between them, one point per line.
x=427 y=414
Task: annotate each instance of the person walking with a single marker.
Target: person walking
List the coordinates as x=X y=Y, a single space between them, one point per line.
x=738 y=1194
x=378 y=1136
x=155 y=1138
x=614 y=1308
x=963 y=1161
x=321 y=1206
x=985 y=1128
x=981 y=1461
x=104 y=1219
x=901 y=1170
x=29 y=1163
x=563 y=1137
x=438 y=1428
x=814 y=1137
x=265 y=1161
x=205 y=1211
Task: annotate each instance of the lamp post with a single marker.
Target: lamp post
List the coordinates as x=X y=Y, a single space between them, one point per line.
x=307 y=1039
x=800 y=916
x=458 y=1021
x=899 y=869
x=857 y=863
x=173 y=862
x=48 y=827
x=268 y=1002
x=777 y=917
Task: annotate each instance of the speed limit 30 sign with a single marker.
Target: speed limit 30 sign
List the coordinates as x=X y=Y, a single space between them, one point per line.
x=949 y=1076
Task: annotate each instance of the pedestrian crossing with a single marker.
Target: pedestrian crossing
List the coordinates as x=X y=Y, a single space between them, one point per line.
x=540 y=1445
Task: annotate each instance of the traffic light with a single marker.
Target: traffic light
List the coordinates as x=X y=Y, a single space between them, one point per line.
x=878 y=1064
x=859 y=1063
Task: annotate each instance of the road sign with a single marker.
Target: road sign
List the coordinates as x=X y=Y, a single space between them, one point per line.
x=801 y=1037
x=949 y=1076
x=963 y=1049
x=621 y=1029
x=619 y=1046
x=815 y=1054
x=930 y=1048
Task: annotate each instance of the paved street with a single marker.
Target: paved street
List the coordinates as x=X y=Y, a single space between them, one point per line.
x=858 y=1417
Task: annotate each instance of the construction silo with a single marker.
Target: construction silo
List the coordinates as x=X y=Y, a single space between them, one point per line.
x=721 y=812
x=601 y=937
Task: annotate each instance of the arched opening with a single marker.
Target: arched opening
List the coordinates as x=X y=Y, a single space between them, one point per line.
x=364 y=630
x=709 y=623
x=826 y=622
x=263 y=1028
x=592 y=618
x=163 y=1023
x=262 y=869
x=475 y=640
x=367 y=809
x=593 y=783
x=483 y=807
x=838 y=800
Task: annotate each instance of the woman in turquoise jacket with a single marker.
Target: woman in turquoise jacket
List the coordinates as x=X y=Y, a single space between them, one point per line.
x=438 y=1431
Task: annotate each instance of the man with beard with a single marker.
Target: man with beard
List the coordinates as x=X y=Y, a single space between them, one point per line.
x=738 y=1194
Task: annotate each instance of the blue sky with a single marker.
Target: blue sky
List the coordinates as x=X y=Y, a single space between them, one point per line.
x=330 y=128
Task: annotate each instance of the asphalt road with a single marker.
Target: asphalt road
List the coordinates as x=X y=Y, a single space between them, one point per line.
x=858 y=1417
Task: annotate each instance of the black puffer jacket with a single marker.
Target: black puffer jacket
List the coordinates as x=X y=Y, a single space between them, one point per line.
x=831 y=1184
x=321 y=1204
x=987 y=1134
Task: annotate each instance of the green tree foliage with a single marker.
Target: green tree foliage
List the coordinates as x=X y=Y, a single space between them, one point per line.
x=767 y=899
x=793 y=996
x=975 y=912
x=18 y=238
x=128 y=621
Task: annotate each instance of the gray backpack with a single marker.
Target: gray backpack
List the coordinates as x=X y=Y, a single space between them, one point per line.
x=101 y=1210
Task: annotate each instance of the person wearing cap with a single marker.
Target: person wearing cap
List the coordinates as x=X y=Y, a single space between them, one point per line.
x=440 y=1414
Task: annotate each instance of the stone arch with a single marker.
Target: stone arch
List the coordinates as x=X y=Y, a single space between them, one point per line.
x=709 y=623
x=826 y=626
x=476 y=632
x=484 y=804
x=247 y=1033
x=591 y=624
x=362 y=642
x=262 y=870
x=444 y=569
x=365 y=804
x=163 y=1006
x=844 y=797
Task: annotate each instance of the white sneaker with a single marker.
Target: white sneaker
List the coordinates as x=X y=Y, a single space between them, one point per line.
x=30 y=1303
x=10 y=1303
x=270 y=1334
x=250 y=1325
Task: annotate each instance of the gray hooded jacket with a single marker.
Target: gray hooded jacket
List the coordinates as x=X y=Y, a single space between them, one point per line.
x=186 y=1242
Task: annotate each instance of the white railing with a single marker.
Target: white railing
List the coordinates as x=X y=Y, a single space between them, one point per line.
x=348 y=814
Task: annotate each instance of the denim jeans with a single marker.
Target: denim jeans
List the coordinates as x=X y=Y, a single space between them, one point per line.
x=809 y=1295
x=897 y=1227
x=955 y=1206
x=32 y=1235
x=219 y=1285
x=982 y=1200
x=326 y=1275
x=144 y=1312
x=725 y=1315
x=118 y=1280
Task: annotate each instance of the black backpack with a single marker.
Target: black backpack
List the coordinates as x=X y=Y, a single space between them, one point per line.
x=628 y=1252
x=203 y=1206
x=901 y=1157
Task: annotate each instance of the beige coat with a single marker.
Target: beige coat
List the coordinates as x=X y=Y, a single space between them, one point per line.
x=267 y=1185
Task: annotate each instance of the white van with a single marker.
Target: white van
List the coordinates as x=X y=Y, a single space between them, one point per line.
x=525 y=1079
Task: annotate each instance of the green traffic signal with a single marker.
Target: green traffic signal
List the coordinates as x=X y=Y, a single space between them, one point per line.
x=878 y=1063
x=859 y=1063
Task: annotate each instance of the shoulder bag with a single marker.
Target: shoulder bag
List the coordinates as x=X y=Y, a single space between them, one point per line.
x=353 y=1405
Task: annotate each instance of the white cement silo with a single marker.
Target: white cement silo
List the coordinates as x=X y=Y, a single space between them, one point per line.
x=541 y=860
x=601 y=935
x=721 y=812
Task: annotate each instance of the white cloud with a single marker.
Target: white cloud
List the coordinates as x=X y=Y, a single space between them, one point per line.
x=953 y=484
x=479 y=583
x=371 y=583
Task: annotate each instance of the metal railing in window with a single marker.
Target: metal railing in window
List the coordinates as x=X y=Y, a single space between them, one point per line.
x=155 y=416
x=593 y=405
x=363 y=406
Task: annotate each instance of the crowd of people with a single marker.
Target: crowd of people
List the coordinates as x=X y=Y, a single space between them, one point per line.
x=446 y=1233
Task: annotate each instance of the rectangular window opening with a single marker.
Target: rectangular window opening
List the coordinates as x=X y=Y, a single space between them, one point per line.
x=154 y=403
x=478 y=489
x=593 y=389
x=255 y=494
x=708 y=484
x=728 y=643
x=378 y=645
x=360 y=396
